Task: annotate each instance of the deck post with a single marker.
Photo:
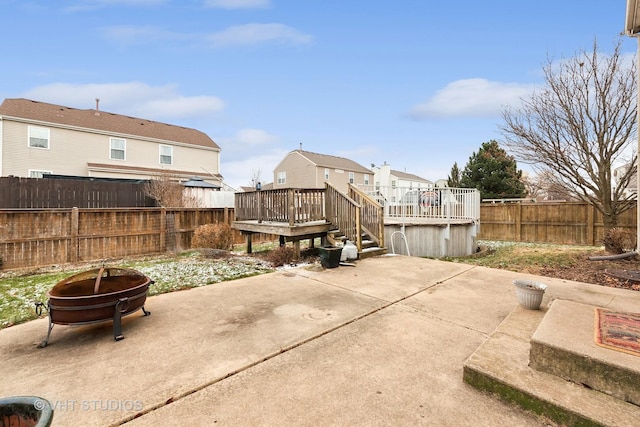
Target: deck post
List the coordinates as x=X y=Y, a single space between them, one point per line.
x=296 y=250
x=358 y=230
x=249 y=248
x=291 y=207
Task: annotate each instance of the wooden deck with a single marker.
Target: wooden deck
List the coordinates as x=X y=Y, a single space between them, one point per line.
x=288 y=233
x=300 y=230
x=298 y=214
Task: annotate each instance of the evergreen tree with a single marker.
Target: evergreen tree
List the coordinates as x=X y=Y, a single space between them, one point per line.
x=492 y=171
x=453 y=180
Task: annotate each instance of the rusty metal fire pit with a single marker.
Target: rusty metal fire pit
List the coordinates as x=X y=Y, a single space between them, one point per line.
x=96 y=295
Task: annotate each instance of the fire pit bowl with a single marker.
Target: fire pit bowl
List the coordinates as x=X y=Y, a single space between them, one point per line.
x=96 y=295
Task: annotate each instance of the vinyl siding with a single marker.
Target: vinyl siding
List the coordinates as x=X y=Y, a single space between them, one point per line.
x=70 y=151
x=301 y=173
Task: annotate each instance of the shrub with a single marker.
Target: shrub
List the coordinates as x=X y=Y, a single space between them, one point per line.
x=215 y=236
x=280 y=256
x=619 y=240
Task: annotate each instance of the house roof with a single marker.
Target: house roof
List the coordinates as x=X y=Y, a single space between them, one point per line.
x=20 y=108
x=409 y=176
x=197 y=182
x=325 y=160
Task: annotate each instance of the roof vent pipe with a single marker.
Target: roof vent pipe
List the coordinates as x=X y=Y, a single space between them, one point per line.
x=97 y=106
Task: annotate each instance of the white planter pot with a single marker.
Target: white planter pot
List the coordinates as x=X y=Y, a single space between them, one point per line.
x=529 y=293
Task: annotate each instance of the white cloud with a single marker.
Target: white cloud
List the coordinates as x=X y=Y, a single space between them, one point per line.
x=471 y=98
x=248 y=152
x=237 y=4
x=95 y=4
x=132 y=35
x=132 y=98
x=258 y=33
x=240 y=172
x=247 y=142
x=254 y=137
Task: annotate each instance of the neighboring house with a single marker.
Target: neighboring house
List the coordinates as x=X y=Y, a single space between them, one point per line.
x=384 y=176
x=632 y=186
x=304 y=169
x=199 y=193
x=38 y=138
x=393 y=186
x=441 y=183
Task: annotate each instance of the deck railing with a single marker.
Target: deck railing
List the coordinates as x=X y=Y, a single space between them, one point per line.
x=288 y=205
x=426 y=202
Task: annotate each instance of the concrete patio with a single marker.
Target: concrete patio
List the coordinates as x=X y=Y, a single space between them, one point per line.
x=381 y=343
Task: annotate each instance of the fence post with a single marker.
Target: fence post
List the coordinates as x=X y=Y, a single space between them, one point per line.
x=75 y=225
x=163 y=229
x=591 y=232
x=518 y=221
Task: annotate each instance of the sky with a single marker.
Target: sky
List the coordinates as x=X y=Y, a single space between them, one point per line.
x=417 y=84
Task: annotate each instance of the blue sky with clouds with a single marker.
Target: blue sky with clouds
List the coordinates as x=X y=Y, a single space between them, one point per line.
x=417 y=84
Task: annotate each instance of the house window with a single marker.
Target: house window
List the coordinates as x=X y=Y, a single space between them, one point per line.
x=393 y=183
x=166 y=155
x=282 y=177
x=117 y=148
x=326 y=173
x=38 y=137
x=366 y=179
x=38 y=174
x=352 y=177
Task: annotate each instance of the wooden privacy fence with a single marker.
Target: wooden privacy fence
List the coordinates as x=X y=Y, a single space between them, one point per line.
x=41 y=237
x=39 y=193
x=560 y=223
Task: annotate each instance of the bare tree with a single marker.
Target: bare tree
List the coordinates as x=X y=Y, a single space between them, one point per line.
x=165 y=187
x=578 y=127
x=544 y=186
x=255 y=178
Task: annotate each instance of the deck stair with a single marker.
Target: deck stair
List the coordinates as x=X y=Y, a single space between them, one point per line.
x=548 y=365
x=369 y=247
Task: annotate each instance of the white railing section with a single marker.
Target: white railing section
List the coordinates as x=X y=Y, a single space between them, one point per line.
x=426 y=202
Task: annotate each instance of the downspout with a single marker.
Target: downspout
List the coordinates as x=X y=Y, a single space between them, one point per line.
x=630 y=30
x=638 y=147
x=1 y=145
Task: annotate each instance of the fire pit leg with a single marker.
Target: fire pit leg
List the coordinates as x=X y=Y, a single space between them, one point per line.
x=146 y=313
x=45 y=343
x=117 y=318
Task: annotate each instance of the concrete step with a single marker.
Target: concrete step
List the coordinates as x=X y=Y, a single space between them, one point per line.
x=371 y=252
x=567 y=349
x=500 y=366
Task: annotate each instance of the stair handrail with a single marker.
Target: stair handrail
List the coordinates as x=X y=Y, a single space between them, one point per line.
x=371 y=214
x=343 y=212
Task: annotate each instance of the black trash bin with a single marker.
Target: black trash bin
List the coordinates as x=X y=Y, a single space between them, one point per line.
x=26 y=410
x=330 y=256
